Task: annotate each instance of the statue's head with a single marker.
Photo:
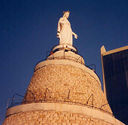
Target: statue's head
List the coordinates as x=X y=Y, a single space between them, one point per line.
x=66 y=13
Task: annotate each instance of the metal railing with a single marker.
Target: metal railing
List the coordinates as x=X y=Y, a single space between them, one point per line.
x=17 y=99
x=79 y=59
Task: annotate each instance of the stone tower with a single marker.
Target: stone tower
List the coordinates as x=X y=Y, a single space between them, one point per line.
x=62 y=91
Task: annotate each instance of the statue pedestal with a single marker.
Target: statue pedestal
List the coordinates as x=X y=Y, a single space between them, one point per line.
x=64 y=47
x=65 y=52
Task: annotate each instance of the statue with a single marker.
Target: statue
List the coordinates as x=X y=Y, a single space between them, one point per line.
x=64 y=31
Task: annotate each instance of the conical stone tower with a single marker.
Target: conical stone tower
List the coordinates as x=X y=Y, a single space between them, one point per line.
x=62 y=91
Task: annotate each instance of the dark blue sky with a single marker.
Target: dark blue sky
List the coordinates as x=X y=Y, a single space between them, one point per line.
x=28 y=32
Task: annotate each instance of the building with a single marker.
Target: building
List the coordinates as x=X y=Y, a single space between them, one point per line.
x=62 y=91
x=115 y=79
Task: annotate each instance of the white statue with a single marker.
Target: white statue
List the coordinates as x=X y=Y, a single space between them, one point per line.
x=64 y=31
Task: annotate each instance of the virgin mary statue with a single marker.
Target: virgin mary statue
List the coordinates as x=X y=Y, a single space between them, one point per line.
x=64 y=31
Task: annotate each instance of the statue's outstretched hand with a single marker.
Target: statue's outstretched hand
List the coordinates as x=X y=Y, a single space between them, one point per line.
x=75 y=35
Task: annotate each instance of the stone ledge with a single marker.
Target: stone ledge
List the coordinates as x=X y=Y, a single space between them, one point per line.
x=95 y=113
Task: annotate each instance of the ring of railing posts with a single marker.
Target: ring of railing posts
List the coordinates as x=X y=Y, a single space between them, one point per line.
x=67 y=99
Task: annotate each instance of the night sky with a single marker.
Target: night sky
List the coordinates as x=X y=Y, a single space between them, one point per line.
x=28 y=32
